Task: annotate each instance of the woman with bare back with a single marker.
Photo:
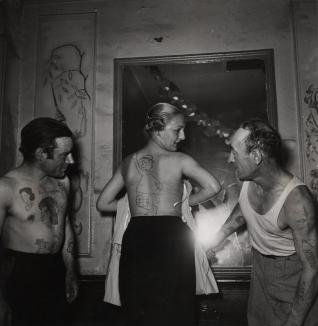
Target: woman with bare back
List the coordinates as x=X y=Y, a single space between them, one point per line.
x=157 y=269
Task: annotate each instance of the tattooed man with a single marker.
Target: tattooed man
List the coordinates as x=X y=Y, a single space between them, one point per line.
x=280 y=216
x=36 y=234
x=156 y=272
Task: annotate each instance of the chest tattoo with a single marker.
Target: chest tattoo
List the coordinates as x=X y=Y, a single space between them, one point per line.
x=49 y=211
x=27 y=197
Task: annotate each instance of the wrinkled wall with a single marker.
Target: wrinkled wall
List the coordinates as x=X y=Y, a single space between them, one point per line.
x=128 y=28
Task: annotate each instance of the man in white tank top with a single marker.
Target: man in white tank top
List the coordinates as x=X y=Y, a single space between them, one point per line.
x=279 y=213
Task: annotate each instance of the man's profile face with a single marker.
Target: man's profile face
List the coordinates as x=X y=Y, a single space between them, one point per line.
x=239 y=155
x=57 y=164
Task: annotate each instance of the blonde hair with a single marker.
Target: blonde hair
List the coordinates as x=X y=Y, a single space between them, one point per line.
x=158 y=116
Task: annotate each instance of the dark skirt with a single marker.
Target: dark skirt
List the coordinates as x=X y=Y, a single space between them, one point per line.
x=157 y=272
x=35 y=288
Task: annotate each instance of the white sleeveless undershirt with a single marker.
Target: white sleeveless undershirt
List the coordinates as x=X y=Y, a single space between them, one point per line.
x=265 y=234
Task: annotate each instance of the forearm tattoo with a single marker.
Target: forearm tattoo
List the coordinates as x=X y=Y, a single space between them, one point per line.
x=70 y=247
x=301 y=292
x=308 y=247
x=232 y=224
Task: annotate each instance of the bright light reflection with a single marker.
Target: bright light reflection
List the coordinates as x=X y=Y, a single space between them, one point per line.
x=209 y=222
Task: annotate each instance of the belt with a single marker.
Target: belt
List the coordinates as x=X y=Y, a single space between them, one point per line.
x=277 y=257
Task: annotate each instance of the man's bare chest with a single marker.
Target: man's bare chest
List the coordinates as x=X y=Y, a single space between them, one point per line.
x=43 y=203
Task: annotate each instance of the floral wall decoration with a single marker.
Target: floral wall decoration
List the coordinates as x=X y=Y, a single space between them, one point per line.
x=311 y=137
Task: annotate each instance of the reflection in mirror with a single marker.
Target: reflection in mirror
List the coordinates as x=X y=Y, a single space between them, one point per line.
x=217 y=92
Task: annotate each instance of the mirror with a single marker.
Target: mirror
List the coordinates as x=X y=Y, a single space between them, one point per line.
x=217 y=92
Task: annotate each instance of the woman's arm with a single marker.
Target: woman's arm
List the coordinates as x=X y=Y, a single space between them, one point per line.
x=106 y=201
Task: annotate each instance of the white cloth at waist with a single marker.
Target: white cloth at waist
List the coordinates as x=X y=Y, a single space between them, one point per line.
x=205 y=281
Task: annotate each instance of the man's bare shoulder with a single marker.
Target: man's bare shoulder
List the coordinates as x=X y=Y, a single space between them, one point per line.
x=299 y=204
x=8 y=184
x=10 y=180
x=300 y=195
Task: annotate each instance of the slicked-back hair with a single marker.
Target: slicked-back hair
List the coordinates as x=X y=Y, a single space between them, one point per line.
x=42 y=132
x=264 y=137
x=158 y=116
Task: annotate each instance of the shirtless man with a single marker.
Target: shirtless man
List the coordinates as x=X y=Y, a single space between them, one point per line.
x=280 y=216
x=35 y=230
x=156 y=273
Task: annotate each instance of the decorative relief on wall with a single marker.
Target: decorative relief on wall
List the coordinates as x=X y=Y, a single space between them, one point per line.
x=311 y=137
x=64 y=87
x=306 y=31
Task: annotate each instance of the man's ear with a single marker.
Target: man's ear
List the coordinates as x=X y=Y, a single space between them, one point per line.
x=257 y=156
x=39 y=154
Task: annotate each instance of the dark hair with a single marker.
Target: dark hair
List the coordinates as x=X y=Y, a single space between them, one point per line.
x=159 y=116
x=42 y=132
x=264 y=137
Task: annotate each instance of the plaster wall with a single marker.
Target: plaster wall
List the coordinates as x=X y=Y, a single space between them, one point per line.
x=128 y=28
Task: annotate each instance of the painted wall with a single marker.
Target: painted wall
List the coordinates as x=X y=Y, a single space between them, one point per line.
x=306 y=36
x=128 y=28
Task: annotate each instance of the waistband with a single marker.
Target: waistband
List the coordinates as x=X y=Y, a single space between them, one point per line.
x=155 y=216
x=22 y=254
x=156 y=219
x=274 y=256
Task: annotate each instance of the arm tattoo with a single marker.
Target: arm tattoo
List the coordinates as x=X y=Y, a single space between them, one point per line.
x=309 y=249
x=70 y=247
x=301 y=292
x=233 y=224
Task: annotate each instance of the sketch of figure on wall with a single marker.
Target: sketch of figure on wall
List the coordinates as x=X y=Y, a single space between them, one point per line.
x=67 y=83
x=68 y=87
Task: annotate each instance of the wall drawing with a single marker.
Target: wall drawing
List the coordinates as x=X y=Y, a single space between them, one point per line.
x=65 y=86
x=67 y=83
